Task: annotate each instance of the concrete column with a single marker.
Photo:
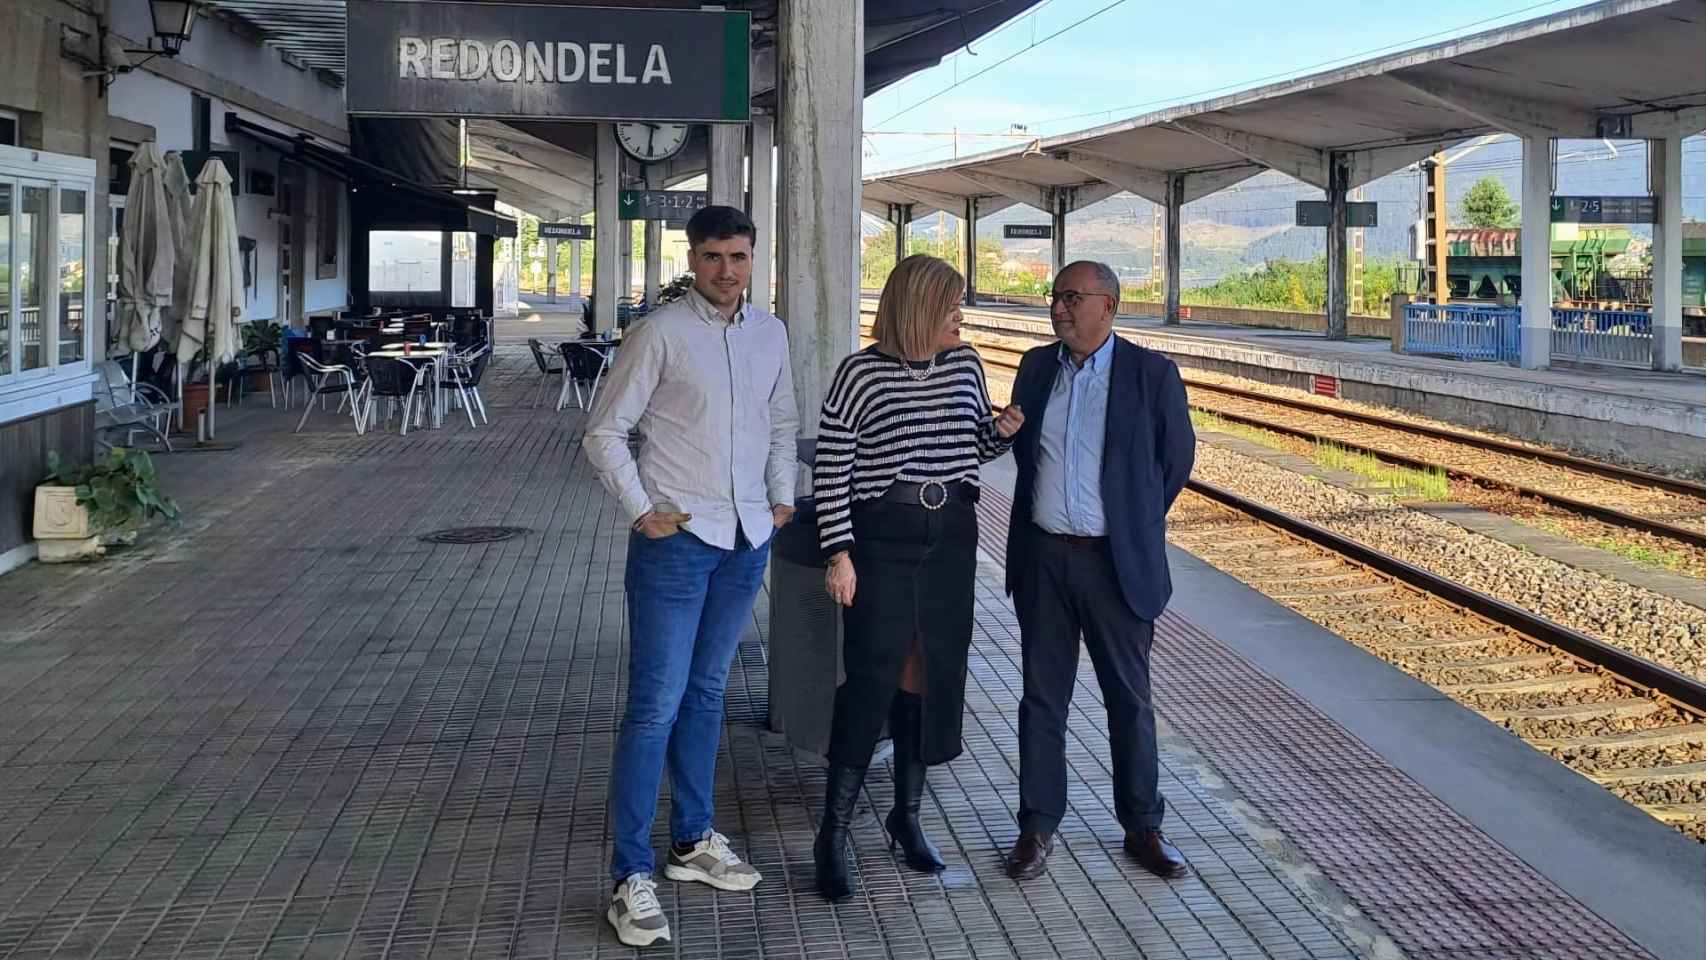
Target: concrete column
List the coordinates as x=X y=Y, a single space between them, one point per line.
x=626 y=282
x=1665 y=159
x=1175 y=241
x=1057 y=251
x=1536 y=351
x=761 y=207
x=1338 y=232
x=727 y=176
x=607 y=231
x=575 y=269
x=550 y=271
x=821 y=92
x=654 y=239
x=971 y=252
x=902 y=219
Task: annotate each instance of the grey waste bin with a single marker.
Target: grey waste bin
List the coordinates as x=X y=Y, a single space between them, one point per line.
x=805 y=636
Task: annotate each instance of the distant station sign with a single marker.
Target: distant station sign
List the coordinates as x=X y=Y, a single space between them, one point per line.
x=1605 y=210
x=543 y=62
x=667 y=205
x=1319 y=213
x=1028 y=231
x=565 y=231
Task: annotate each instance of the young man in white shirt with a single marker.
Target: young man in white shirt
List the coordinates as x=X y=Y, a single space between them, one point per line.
x=707 y=382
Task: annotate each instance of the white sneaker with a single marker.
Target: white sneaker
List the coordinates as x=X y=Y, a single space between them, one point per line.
x=711 y=861
x=635 y=913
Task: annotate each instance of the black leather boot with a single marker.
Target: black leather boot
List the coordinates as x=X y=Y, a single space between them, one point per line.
x=906 y=726
x=834 y=880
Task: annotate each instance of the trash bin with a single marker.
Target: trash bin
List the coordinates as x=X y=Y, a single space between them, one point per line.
x=805 y=636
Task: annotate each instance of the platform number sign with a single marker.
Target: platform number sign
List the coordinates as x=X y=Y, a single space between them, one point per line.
x=1636 y=209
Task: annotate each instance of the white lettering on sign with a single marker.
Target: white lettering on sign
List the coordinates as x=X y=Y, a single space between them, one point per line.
x=442 y=58
x=540 y=65
x=411 y=55
x=506 y=61
x=475 y=58
x=598 y=63
x=566 y=52
x=657 y=65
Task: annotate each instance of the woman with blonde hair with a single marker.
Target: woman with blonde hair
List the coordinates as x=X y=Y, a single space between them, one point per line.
x=905 y=426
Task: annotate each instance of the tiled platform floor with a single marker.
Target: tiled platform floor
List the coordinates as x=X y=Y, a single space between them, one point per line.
x=291 y=729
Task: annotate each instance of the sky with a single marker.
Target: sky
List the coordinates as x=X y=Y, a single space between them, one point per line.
x=1097 y=61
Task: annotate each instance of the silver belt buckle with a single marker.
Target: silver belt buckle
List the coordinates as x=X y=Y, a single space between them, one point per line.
x=924 y=495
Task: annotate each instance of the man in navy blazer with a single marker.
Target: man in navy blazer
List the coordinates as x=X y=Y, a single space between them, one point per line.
x=1106 y=447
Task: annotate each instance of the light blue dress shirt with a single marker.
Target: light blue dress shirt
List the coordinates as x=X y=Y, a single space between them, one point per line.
x=1069 y=453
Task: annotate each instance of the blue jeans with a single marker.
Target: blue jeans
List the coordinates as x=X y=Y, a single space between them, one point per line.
x=688 y=603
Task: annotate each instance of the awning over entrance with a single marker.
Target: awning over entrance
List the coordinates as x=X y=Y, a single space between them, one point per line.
x=390 y=200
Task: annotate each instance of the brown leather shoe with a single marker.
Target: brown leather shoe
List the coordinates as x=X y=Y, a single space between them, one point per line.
x=1030 y=855
x=1157 y=855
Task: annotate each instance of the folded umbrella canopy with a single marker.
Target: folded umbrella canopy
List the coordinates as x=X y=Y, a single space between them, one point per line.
x=149 y=256
x=179 y=206
x=209 y=322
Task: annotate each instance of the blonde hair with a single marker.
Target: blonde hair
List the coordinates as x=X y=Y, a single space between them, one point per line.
x=914 y=308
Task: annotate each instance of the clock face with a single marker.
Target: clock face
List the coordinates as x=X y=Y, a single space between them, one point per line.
x=650 y=141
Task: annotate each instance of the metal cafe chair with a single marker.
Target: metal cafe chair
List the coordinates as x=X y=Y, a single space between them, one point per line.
x=331 y=380
x=546 y=371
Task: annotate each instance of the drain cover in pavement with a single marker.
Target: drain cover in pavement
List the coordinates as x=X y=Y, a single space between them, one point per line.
x=473 y=534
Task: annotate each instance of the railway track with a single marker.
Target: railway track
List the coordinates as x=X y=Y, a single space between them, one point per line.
x=1619 y=496
x=1634 y=727
x=1631 y=499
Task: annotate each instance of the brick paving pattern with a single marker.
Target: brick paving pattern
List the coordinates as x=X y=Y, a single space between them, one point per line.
x=292 y=729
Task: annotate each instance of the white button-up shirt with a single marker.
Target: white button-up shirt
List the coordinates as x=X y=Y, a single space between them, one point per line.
x=714 y=402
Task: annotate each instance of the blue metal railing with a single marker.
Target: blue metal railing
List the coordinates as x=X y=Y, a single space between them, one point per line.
x=1603 y=336
x=1462 y=331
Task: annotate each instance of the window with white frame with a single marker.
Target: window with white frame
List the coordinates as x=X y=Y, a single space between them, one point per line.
x=45 y=233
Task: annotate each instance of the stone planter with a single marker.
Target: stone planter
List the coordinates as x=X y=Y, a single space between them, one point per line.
x=62 y=528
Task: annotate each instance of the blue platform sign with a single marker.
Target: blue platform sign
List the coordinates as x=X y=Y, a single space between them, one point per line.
x=538 y=61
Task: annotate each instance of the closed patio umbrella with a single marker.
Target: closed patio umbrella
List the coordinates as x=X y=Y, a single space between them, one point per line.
x=209 y=323
x=149 y=256
x=180 y=201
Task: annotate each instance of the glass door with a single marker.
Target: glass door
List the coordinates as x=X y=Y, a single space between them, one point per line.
x=8 y=197
x=32 y=255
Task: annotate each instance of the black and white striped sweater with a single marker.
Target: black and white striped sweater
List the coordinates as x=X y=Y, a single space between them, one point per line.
x=880 y=426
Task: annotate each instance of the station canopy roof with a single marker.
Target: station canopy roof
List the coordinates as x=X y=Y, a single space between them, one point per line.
x=544 y=167
x=1561 y=75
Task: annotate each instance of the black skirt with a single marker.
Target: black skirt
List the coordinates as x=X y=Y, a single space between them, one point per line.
x=915 y=570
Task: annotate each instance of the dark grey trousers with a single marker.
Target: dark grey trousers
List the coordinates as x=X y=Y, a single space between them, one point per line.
x=1068 y=591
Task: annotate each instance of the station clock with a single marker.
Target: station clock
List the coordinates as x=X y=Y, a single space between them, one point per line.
x=651 y=141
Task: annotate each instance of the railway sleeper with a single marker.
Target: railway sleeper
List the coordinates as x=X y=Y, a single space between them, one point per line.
x=1627 y=708
x=1679 y=735
x=1682 y=772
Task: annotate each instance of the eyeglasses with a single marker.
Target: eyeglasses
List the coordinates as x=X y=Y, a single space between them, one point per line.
x=1072 y=298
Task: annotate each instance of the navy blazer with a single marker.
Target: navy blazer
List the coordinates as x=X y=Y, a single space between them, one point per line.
x=1146 y=457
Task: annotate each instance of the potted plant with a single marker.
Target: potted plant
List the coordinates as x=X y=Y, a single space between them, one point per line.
x=261 y=337
x=80 y=509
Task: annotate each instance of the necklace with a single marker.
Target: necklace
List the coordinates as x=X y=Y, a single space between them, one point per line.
x=919 y=375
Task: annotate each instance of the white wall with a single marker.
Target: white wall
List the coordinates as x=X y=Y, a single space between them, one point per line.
x=167 y=106
x=213 y=47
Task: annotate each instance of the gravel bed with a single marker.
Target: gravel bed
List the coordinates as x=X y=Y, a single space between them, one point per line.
x=1256 y=386
x=1637 y=499
x=1656 y=627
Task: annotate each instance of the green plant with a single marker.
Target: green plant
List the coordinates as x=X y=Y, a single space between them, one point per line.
x=120 y=490
x=261 y=335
